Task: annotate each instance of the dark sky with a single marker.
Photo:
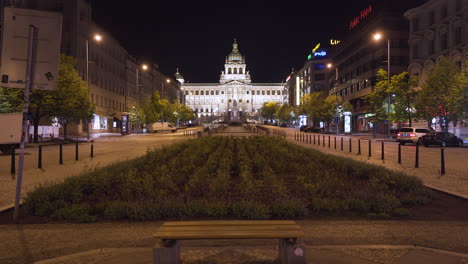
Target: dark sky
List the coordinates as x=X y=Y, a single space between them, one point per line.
x=196 y=36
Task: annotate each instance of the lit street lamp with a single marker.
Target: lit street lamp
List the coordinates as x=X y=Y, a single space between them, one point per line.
x=378 y=37
x=97 y=38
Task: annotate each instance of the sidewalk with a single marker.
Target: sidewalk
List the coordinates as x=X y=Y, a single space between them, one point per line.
x=367 y=254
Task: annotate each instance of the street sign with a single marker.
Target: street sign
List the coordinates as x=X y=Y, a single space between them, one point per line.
x=14 y=53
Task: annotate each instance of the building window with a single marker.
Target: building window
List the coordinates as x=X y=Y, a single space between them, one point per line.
x=415 y=52
x=415 y=24
x=235 y=70
x=196 y=92
x=431 y=47
x=458 y=35
x=240 y=71
x=222 y=92
x=212 y=92
x=443 y=42
x=229 y=71
x=217 y=92
x=247 y=92
x=268 y=92
x=443 y=12
x=263 y=92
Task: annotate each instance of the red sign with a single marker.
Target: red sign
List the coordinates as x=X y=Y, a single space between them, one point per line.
x=358 y=19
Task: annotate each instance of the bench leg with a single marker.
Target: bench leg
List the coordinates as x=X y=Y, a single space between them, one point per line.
x=166 y=252
x=291 y=253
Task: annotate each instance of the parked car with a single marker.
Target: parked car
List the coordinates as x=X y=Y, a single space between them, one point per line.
x=303 y=128
x=411 y=135
x=442 y=139
x=313 y=130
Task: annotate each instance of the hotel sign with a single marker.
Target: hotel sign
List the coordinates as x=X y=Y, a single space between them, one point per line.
x=359 y=18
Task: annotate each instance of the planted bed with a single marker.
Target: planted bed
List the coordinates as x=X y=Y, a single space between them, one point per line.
x=223 y=177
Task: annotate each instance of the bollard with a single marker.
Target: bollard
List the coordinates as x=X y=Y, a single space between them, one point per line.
x=359 y=147
x=92 y=148
x=39 y=159
x=350 y=143
x=295 y=135
x=318 y=140
x=76 y=151
x=13 y=164
x=383 y=151
x=328 y=141
x=314 y=139
x=335 y=141
x=60 y=154
x=370 y=148
x=442 y=161
x=341 y=144
x=416 y=163
x=399 y=153
x=310 y=139
x=323 y=140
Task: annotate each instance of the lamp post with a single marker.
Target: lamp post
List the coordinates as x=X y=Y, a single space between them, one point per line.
x=377 y=37
x=97 y=38
x=144 y=67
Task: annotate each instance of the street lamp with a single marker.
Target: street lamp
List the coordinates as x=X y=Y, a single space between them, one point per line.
x=378 y=37
x=97 y=38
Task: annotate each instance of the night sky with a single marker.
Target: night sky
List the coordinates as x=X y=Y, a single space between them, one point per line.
x=196 y=36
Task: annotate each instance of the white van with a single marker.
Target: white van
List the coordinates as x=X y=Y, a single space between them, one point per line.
x=411 y=135
x=161 y=127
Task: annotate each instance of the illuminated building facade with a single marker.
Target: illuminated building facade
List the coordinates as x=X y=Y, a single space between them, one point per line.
x=235 y=97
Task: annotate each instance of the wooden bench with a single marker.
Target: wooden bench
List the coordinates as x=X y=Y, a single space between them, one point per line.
x=170 y=234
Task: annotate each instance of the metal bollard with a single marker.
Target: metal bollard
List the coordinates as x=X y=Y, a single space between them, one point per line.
x=442 y=161
x=359 y=146
x=350 y=143
x=323 y=140
x=399 y=153
x=13 y=163
x=318 y=140
x=314 y=139
x=39 y=159
x=416 y=163
x=92 y=148
x=60 y=154
x=335 y=141
x=341 y=144
x=328 y=141
x=383 y=151
x=370 y=148
x=76 y=151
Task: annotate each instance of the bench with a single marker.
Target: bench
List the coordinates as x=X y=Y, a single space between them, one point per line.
x=170 y=233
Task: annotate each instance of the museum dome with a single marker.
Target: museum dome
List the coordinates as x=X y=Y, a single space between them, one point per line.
x=235 y=56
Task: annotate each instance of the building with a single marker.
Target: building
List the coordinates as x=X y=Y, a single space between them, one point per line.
x=234 y=97
x=358 y=57
x=438 y=28
x=115 y=84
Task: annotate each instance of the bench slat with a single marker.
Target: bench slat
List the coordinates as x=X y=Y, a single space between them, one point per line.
x=230 y=234
x=229 y=222
x=226 y=228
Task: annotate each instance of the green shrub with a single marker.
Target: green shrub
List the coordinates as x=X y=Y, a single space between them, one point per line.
x=250 y=210
x=402 y=212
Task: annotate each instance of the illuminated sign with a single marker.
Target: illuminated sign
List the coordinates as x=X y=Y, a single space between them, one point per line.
x=298 y=91
x=359 y=18
x=334 y=42
x=289 y=77
x=316 y=48
x=309 y=57
x=320 y=53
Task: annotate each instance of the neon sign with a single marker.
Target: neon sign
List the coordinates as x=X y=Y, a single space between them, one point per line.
x=334 y=42
x=320 y=53
x=359 y=18
x=316 y=48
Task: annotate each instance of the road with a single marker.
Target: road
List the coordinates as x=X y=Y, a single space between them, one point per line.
x=455 y=179
x=107 y=150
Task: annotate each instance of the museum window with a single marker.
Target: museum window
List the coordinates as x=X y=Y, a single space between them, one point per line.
x=263 y=92
x=202 y=92
x=229 y=71
x=196 y=92
x=235 y=70
x=222 y=92
x=258 y=92
x=247 y=92
x=240 y=71
x=248 y=101
x=217 y=92
x=240 y=100
x=268 y=92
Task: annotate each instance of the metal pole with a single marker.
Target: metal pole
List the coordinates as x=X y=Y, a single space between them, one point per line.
x=39 y=160
x=13 y=163
x=416 y=163
x=442 y=161
x=323 y=140
x=359 y=147
x=76 y=151
x=341 y=143
x=399 y=153
x=383 y=151
x=29 y=76
x=87 y=81
x=335 y=142
x=370 y=148
x=328 y=141
x=388 y=88
x=92 y=148
x=60 y=154
x=350 y=145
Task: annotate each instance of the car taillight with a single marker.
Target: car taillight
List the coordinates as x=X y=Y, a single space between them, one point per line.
x=412 y=135
x=398 y=134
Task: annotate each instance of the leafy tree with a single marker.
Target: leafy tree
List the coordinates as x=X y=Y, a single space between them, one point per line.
x=378 y=98
x=268 y=110
x=137 y=115
x=70 y=103
x=312 y=106
x=403 y=94
x=443 y=94
x=11 y=100
x=285 y=113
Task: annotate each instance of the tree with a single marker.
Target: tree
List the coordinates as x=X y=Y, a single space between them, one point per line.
x=268 y=110
x=312 y=106
x=11 y=100
x=137 y=115
x=403 y=94
x=70 y=103
x=443 y=94
x=285 y=113
x=378 y=98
